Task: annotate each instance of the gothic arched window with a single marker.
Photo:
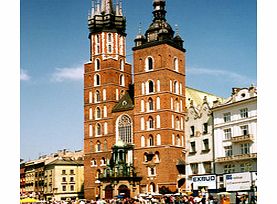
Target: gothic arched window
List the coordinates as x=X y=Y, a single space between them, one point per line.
x=150 y=123
x=150 y=87
x=149 y=63
x=176 y=66
x=98 y=129
x=124 y=129
x=150 y=104
x=121 y=65
x=175 y=87
x=98 y=146
x=97 y=65
x=96 y=80
x=121 y=80
x=98 y=113
x=151 y=141
x=97 y=96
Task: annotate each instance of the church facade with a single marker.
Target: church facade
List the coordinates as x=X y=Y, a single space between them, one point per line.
x=134 y=137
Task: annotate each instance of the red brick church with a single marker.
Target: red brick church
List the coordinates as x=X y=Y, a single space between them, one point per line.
x=133 y=121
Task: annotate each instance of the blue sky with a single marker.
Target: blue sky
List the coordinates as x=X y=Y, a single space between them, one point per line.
x=220 y=38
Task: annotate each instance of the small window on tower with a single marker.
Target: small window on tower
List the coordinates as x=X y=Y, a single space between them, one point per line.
x=122 y=65
x=97 y=65
x=150 y=87
x=149 y=65
x=109 y=37
x=110 y=48
x=151 y=141
x=98 y=129
x=121 y=79
x=176 y=66
x=96 y=80
x=150 y=104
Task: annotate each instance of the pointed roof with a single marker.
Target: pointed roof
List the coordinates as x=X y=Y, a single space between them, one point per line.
x=105 y=18
x=124 y=104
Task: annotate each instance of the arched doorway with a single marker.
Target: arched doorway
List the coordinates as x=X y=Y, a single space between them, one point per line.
x=108 y=192
x=124 y=190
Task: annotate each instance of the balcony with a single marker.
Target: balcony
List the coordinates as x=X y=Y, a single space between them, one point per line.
x=239 y=157
x=242 y=138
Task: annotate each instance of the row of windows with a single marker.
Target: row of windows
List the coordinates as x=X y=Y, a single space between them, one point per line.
x=64 y=188
x=150 y=87
x=99 y=147
x=98 y=113
x=97 y=64
x=195 y=167
x=109 y=43
x=204 y=129
x=70 y=180
x=97 y=80
x=150 y=140
x=94 y=162
x=244 y=149
x=150 y=64
x=243 y=114
x=64 y=172
x=244 y=130
x=244 y=167
x=97 y=96
x=150 y=105
x=205 y=146
x=98 y=129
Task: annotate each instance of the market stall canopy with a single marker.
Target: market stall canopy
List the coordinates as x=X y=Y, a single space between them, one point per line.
x=29 y=200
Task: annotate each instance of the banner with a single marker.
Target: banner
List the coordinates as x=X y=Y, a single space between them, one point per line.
x=208 y=181
x=238 y=181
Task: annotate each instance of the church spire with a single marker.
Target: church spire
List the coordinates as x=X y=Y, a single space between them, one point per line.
x=159 y=10
x=105 y=18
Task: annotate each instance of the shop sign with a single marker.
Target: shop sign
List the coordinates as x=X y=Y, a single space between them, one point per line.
x=208 y=181
x=238 y=181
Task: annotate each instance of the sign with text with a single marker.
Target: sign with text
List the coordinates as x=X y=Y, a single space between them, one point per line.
x=238 y=181
x=208 y=181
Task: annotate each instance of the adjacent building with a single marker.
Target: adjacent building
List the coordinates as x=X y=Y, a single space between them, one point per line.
x=22 y=179
x=58 y=176
x=64 y=178
x=235 y=135
x=200 y=175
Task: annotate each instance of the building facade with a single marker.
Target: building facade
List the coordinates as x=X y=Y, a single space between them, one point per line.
x=64 y=179
x=199 y=141
x=235 y=133
x=146 y=114
x=22 y=179
x=43 y=178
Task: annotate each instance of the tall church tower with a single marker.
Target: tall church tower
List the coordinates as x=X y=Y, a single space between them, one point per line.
x=159 y=78
x=106 y=79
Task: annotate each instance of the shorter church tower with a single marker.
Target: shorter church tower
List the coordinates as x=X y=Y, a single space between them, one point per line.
x=159 y=78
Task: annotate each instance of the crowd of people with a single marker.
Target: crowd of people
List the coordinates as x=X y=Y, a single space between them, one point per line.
x=145 y=200
x=163 y=199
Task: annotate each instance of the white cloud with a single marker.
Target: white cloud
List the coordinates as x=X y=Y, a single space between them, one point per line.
x=24 y=76
x=64 y=74
x=228 y=75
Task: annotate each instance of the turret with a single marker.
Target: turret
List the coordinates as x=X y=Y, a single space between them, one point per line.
x=105 y=17
x=159 y=30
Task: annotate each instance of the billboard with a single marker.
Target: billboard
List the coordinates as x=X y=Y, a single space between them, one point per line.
x=238 y=181
x=208 y=181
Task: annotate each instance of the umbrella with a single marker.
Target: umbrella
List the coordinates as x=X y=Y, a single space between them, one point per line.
x=180 y=194
x=224 y=193
x=28 y=200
